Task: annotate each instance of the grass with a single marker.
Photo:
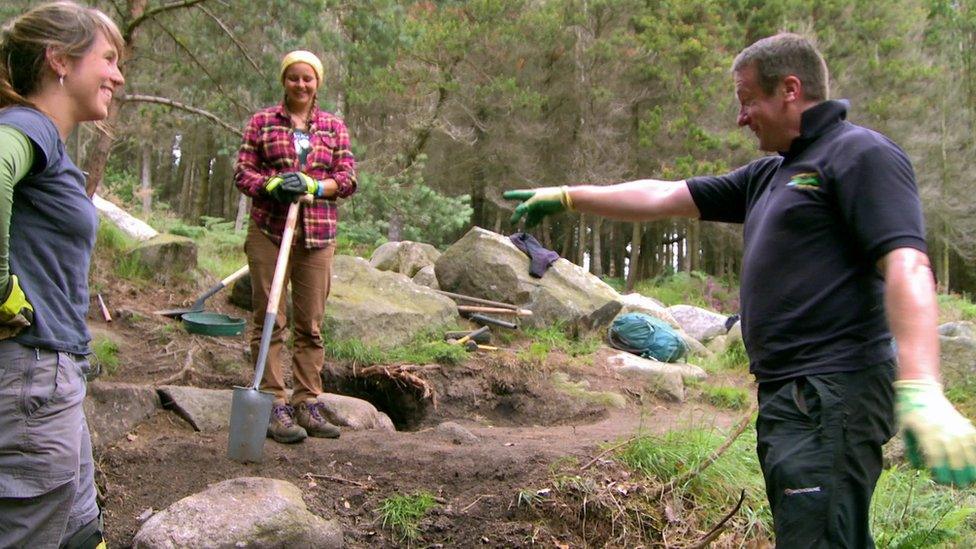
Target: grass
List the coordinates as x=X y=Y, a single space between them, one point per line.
x=402 y=513
x=733 y=358
x=426 y=348
x=581 y=390
x=731 y=398
x=954 y=307
x=553 y=337
x=695 y=288
x=910 y=511
x=105 y=356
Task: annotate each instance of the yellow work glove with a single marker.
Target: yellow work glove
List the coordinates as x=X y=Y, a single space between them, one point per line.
x=16 y=313
x=539 y=203
x=937 y=437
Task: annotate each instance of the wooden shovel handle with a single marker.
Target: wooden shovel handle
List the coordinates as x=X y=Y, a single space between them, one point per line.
x=278 y=282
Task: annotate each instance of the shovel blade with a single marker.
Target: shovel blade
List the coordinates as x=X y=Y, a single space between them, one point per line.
x=250 y=412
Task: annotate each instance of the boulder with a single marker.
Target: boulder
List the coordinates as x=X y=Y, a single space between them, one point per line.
x=114 y=409
x=487 y=265
x=665 y=378
x=700 y=324
x=205 y=410
x=404 y=257
x=240 y=512
x=166 y=255
x=354 y=414
x=957 y=342
x=735 y=333
x=381 y=308
x=456 y=433
x=427 y=277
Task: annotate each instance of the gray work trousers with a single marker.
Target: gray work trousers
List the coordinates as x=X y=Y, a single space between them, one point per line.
x=47 y=476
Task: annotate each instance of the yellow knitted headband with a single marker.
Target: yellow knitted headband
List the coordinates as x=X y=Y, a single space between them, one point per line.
x=302 y=56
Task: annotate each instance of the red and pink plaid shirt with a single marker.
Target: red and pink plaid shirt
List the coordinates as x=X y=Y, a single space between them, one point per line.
x=269 y=149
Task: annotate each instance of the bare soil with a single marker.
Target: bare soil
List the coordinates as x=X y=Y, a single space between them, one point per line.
x=523 y=423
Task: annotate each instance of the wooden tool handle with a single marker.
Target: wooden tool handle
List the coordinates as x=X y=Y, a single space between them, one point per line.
x=493 y=310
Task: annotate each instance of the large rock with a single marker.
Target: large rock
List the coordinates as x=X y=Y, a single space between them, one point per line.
x=354 y=414
x=957 y=341
x=240 y=512
x=700 y=324
x=404 y=257
x=167 y=256
x=206 y=410
x=665 y=378
x=427 y=277
x=381 y=308
x=487 y=265
x=114 y=409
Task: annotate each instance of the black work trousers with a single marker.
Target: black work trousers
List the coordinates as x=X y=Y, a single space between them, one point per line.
x=819 y=445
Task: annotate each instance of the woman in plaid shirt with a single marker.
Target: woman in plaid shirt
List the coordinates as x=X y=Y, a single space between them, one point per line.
x=289 y=150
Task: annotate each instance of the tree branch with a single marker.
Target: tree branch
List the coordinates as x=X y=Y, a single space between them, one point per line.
x=231 y=35
x=177 y=105
x=203 y=67
x=131 y=27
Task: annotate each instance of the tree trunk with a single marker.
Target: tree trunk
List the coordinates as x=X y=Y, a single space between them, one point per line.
x=596 y=256
x=635 y=256
x=145 y=179
x=95 y=163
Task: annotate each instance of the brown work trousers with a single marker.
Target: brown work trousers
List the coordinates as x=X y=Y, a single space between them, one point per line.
x=310 y=274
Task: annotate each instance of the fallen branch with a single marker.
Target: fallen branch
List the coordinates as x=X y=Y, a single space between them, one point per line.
x=714 y=532
x=336 y=479
x=688 y=475
x=607 y=451
x=183 y=376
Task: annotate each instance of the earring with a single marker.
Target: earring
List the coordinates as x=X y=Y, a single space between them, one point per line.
x=61 y=80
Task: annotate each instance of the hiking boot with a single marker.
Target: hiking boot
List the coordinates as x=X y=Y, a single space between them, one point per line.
x=282 y=426
x=309 y=415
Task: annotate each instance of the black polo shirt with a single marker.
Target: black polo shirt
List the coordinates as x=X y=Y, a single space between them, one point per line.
x=816 y=220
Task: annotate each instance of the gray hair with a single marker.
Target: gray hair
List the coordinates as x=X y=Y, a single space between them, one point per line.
x=782 y=55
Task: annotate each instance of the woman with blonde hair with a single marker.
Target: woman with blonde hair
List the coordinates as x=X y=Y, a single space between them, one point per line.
x=58 y=68
x=290 y=150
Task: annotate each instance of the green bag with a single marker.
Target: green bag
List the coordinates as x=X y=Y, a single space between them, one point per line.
x=647 y=336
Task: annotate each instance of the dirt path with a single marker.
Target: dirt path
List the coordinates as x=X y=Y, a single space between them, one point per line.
x=164 y=460
x=522 y=423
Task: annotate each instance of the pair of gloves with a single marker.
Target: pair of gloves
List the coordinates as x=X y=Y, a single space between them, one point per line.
x=937 y=437
x=291 y=186
x=16 y=313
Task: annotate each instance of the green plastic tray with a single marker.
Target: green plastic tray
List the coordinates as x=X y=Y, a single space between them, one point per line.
x=213 y=324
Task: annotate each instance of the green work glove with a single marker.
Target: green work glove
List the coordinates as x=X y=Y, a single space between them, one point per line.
x=936 y=435
x=539 y=203
x=16 y=313
x=291 y=186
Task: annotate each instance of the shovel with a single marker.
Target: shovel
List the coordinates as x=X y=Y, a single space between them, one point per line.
x=250 y=409
x=198 y=304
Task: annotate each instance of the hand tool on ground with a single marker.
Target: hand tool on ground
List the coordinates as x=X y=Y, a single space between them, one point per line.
x=250 y=408
x=480 y=338
x=482 y=319
x=468 y=341
x=485 y=348
x=478 y=300
x=493 y=310
x=198 y=304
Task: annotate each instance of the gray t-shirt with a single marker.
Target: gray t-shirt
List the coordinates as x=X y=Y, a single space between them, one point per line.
x=52 y=233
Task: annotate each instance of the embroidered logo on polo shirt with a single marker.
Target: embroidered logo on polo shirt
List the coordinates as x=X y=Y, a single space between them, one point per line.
x=808 y=180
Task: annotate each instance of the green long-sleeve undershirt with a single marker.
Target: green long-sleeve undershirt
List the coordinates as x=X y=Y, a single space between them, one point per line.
x=16 y=159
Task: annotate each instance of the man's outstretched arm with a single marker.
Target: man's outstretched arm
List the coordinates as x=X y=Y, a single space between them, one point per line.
x=641 y=200
x=936 y=435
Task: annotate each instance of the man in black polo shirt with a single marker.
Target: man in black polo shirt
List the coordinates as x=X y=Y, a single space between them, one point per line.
x=834 y=265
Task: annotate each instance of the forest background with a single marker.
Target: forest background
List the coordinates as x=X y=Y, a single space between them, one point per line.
x=451 y=102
